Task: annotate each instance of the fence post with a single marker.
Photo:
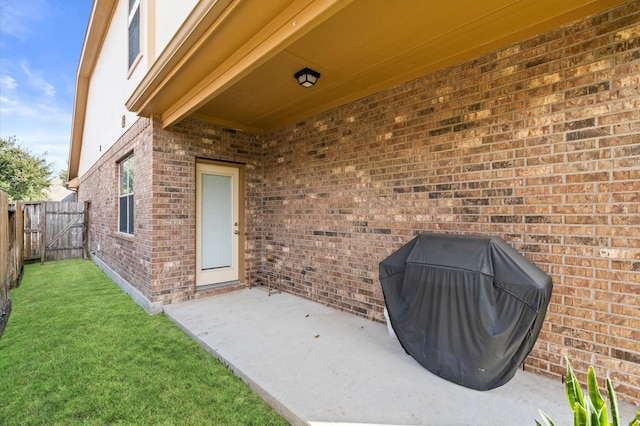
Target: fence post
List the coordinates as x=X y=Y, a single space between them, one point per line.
x=43 y=233
x=19 y=243
x=5 y=297
x=85 y=231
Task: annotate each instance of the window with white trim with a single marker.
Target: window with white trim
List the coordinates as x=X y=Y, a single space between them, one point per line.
x=134 y=31
x=125 y=201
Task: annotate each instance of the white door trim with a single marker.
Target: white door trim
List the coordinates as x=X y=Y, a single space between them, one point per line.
x=235 y=271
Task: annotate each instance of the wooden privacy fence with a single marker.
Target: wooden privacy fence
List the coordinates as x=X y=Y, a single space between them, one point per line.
x=11 y=254
x=55 y=230
x=5 y=298
x=42 y=230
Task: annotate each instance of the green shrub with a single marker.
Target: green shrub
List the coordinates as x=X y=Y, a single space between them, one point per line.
x=590 y=409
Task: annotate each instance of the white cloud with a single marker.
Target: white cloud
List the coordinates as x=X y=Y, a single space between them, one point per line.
x=13 y=108
x=32 y=112
x=35 y=80
x=7 y=106
x=38 y=128
x=17 y=17
x=36 y=95
x=8 y=83
x=29 y=95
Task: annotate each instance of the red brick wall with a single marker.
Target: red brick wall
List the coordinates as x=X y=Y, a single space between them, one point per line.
x=538 y=143
x=159 y=260
x=174 y=207
x=128 y=256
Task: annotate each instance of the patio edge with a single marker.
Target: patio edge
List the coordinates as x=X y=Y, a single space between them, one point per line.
x=274 y=403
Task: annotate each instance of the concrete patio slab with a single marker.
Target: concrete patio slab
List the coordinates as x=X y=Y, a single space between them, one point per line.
x=319 y=366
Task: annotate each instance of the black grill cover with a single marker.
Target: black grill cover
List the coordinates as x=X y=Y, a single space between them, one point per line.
x=468 y=309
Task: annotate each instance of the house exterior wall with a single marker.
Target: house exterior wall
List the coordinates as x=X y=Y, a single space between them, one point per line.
x=537 y=143
x=167 y=19
x=128 y=256
x=111 y=84
x=159 y=259
x=173 y=214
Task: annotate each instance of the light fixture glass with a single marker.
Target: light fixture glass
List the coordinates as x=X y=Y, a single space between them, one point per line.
x=307 y=77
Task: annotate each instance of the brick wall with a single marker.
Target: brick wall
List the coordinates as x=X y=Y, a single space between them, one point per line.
x=159 y=260
x=538 y=143
x=128 y=256
x=173 y=213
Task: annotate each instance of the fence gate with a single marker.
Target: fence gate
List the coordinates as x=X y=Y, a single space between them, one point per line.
x=54 y=230
x=33 y=219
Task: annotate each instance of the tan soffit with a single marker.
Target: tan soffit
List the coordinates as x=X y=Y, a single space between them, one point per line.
x=232 y=61
x=239 y=73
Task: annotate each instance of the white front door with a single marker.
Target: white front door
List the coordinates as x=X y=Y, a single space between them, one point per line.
x=217 y=224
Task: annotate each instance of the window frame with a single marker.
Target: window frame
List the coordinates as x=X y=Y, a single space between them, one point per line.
x=133 y=15
x=126 y=195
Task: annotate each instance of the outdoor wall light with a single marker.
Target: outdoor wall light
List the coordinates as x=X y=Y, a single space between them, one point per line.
x=307 y=77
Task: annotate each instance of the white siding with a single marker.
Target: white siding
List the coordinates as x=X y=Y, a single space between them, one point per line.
x=170 y=14
x=111 y=85
x=109 y=88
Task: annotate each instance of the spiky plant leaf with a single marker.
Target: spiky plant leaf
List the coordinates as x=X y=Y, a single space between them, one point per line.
x=596 y=407
x=547 y=420
x=592 y=414
x=603 y=417
x=613 y=402
x=594 y=392
x=574 y=393
x=590 y=409
x=598 y=417
x=580 y=416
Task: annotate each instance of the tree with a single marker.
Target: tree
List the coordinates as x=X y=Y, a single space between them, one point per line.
x=62 y=174
x=23 y=175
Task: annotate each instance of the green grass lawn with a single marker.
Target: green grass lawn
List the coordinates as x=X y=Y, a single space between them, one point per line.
x=78 y=350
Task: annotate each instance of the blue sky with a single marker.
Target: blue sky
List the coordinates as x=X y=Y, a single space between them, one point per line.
x=40 y=43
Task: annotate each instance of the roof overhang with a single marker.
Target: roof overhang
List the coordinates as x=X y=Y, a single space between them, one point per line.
x=101 y=14
x=72 y=184
x=233 y=40
x=232 y=62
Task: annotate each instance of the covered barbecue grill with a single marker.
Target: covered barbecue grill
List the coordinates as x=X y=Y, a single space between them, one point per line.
x=467 y=308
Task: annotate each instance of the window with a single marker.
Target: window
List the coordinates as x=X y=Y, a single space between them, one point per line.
x=134 y=30
x=125 y=203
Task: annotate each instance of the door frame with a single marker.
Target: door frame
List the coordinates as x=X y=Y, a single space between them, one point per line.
x=241 y=220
